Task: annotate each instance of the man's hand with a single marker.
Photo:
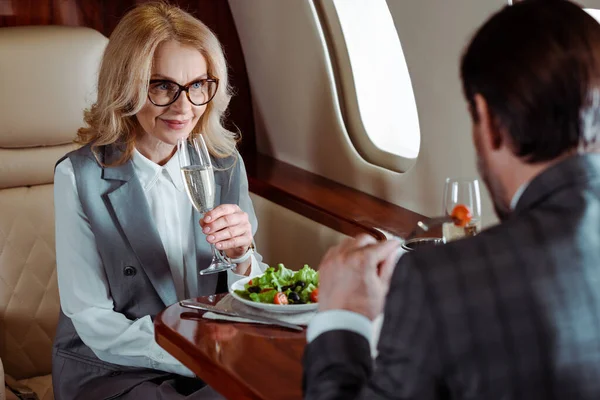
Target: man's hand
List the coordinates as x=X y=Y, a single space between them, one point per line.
x=355 y=275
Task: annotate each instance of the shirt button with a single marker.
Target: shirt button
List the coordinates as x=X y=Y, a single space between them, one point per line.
x=129 y=271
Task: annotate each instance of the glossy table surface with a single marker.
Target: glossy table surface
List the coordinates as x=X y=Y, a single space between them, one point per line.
x=239 y=360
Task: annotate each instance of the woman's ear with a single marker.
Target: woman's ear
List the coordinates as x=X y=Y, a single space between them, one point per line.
x=488 y=128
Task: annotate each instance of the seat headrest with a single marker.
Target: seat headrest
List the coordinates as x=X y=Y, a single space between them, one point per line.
x=49 y=76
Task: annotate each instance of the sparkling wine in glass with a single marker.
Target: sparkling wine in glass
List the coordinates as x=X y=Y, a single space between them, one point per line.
x=466 y=192
x=199 y=182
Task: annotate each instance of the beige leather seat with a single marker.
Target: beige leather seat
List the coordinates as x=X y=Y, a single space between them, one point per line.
x=48 y=77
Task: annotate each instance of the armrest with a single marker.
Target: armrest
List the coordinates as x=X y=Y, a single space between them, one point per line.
x=7 y=394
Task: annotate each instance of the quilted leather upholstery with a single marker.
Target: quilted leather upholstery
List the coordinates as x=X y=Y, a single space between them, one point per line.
x=58 y=66
x=29 y=303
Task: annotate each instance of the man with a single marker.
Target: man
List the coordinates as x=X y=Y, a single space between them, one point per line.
x=513 y=313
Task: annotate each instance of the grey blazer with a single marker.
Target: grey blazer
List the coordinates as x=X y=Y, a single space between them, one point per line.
x=112 y=198
x=513 y=313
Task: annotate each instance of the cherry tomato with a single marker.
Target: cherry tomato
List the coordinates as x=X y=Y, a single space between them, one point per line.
x=280 y=298
x=314 y=295
x=250 y=282
x=461 y=215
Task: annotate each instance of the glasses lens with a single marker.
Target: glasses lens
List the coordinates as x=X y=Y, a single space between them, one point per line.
x=203 y=91
x=162 y=93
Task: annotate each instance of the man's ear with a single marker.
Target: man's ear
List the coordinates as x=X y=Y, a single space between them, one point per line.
x=488 y=128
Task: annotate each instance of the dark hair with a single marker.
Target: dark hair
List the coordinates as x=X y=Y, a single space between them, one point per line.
x=536 y=63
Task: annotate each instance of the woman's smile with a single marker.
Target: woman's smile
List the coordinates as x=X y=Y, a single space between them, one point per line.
x=175 y=124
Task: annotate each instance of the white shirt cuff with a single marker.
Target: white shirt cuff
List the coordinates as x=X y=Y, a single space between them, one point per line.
x=338 y=320
x=255 y=269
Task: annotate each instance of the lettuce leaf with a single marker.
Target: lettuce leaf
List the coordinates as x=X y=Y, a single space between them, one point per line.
x=274 y=278
x=308 y=275
x=266 y=297
x=282 y=280
x=285 y=276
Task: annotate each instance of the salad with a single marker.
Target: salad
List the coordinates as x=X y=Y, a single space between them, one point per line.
x=283 y=286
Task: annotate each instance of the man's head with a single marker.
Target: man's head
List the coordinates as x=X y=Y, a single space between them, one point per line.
x=531 y=77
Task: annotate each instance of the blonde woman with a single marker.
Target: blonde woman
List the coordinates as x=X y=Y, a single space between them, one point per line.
x=128 y=242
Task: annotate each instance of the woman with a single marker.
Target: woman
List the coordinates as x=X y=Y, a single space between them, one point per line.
x=128 y=242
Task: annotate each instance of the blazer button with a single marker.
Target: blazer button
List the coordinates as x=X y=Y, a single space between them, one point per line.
x=114 y=373
x=129 y=271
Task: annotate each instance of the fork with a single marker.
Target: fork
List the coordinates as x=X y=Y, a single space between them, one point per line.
x=426 y=226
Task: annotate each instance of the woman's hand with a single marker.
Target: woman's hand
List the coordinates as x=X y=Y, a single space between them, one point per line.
x=228 y=228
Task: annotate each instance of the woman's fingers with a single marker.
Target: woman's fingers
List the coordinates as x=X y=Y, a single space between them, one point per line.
x=219 y=211
x=225 y=221
x=229 y=232
x=227 y=227
x=243 y=241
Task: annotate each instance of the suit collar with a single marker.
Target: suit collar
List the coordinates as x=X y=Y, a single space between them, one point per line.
x=111 y=154
x=575 y=170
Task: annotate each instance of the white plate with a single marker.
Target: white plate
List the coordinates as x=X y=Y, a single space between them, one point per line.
x=277 y=308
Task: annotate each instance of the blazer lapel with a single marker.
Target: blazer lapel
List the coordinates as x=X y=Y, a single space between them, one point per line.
x=133 y=214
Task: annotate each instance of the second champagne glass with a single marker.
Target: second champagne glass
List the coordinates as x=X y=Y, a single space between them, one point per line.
x=199 y=180
x=466 y=192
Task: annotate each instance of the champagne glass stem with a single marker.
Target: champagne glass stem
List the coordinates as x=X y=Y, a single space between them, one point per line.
x=216 y=254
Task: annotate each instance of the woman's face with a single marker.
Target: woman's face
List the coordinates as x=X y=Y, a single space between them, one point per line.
x=164 y=125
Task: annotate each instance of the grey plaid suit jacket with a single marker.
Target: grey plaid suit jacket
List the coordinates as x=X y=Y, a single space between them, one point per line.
x=513 y=313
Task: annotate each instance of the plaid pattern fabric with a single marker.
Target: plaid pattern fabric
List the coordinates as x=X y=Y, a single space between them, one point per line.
x=513 y=313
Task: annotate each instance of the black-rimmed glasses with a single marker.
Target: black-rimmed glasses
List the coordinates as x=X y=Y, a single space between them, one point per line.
x=163 y=92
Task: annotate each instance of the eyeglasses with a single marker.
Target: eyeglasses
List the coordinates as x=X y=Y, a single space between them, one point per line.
x=163 y=92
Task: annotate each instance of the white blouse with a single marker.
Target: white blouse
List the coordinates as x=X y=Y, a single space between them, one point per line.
x=84 y=293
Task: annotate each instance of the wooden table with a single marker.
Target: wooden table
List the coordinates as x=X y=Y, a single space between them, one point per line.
x=239 y=360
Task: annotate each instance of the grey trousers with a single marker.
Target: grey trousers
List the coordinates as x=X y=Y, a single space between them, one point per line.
x=176 y=388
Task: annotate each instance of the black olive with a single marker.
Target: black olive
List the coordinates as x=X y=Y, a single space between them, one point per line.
x=284 y=288
x=254 y=289
x=293 y=297
x=300 y=284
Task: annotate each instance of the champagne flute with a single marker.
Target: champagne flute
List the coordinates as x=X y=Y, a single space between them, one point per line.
x=466 y=192
x=199 y=181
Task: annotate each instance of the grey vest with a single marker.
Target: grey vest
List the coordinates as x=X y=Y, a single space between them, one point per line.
x=135 y=264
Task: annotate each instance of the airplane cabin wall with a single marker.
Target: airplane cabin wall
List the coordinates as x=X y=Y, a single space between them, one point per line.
x=297 y=116
x=298 y=119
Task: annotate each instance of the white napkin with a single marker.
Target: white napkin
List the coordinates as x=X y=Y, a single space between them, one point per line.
x=230 y=304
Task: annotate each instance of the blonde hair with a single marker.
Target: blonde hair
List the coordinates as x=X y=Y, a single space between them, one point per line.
x=125 y=74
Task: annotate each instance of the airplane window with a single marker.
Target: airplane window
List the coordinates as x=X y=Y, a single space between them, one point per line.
x=373 y=78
